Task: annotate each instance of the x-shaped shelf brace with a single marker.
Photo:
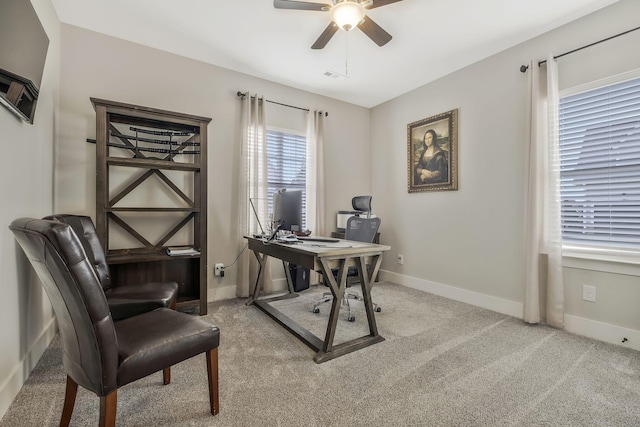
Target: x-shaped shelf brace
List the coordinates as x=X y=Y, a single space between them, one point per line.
x=144 y=241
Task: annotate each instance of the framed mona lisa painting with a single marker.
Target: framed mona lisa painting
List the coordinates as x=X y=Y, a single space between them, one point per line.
x=432 y=153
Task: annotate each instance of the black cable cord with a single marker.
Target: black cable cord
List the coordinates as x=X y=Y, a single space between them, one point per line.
x=236 y=260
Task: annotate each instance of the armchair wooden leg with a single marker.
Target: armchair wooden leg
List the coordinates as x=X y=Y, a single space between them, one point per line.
x=166 y=376
x=212 y=371
x=108 y=405
x=69 y=402
x=166 y=372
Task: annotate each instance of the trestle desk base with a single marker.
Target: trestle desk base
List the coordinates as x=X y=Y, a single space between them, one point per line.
x=322 y=258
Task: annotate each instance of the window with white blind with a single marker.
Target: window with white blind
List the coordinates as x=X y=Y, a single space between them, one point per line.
x=600 y=167
x=287 y=165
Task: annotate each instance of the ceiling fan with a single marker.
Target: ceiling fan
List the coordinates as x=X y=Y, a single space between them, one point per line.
x=346 y=14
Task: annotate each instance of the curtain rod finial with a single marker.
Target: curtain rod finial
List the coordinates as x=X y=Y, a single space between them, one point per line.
x=523 y=68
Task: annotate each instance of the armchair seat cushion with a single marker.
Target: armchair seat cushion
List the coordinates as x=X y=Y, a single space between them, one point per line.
x=146 y=343
x=131 y=300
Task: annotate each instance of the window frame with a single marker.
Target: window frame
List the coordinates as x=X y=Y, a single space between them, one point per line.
x=297 y=133
x=593 y=257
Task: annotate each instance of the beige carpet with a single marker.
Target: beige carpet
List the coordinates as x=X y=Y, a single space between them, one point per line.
x=443 y=363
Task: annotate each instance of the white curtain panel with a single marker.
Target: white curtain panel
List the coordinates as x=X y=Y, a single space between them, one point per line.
x=315 y=173
x=315 y=178
x=253 y=188
x=544 y=286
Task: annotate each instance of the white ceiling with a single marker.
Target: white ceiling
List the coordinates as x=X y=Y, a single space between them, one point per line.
x=431 y=38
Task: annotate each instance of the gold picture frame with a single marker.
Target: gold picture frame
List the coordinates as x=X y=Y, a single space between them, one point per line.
x=432 y=153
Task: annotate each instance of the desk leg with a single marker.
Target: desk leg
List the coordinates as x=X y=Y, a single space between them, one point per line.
x=366 y=281
x=337 y=289
x=287 y=274
x=257 y=287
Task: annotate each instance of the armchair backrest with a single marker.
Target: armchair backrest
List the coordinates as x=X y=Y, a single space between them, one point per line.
x=86 y=328
x=362 y=229
x=86 y=232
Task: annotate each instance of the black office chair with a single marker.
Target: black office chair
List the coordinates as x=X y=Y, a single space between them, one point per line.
x=360 y=230
x=362 y=204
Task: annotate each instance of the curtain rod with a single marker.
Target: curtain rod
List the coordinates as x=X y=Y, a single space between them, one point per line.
x=242 y=95
x=523 y=68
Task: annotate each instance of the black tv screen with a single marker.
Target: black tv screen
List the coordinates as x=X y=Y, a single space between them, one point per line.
x=23 y=51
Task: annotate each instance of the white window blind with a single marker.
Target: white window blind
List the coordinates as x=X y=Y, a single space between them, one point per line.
x=600 y=166
x=287 y=165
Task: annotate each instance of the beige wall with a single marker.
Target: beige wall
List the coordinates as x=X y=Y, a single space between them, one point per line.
x=26 y=172
x=468 y=244
x=95 y=65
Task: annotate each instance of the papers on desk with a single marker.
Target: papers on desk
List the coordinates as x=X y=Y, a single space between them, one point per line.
x=181 y=251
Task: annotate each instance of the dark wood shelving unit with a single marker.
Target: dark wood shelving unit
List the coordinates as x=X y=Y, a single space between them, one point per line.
x=147 y=143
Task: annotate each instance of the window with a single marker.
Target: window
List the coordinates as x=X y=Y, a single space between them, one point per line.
x=287 y=165
x=600 y=167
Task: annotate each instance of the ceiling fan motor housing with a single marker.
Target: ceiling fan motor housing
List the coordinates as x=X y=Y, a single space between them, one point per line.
x=347 y=14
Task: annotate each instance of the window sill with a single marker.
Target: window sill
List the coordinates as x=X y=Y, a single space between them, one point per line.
x=618 y=262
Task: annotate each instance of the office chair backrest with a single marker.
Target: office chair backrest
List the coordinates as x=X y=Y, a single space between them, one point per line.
x=88 y=335
x=86 y=231
x=362 y=203
x=362 y=229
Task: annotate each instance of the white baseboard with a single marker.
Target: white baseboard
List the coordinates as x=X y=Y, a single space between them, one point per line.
x=222 y=293
x=606 y=332
x=12 y=384
x=500 y=305
x=229 y=292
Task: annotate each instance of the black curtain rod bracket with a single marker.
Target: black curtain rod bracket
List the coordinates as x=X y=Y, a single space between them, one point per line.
x=523 y=68
x=242 y=95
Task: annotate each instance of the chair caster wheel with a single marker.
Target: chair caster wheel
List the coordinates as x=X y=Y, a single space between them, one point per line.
x=378 y=309
x=351 y=318
x=316 y=310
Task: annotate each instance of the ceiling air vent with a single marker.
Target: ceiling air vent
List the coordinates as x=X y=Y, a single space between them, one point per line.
x=334 y=75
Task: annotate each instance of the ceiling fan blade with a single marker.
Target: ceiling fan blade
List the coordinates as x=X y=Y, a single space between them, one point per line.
x=325 y=36
x=374 y=31
x=380 y=3
x=300 y=5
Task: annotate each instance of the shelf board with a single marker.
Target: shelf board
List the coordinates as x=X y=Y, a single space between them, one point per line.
x=148 y=209
x=152 y=164
x=126 y=256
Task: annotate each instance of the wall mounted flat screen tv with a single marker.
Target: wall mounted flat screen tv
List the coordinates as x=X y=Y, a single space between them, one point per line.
x=23 y=51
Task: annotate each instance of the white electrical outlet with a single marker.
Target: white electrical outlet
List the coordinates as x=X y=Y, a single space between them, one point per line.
x=589 y=293
x=218 y=270
x=400 y=259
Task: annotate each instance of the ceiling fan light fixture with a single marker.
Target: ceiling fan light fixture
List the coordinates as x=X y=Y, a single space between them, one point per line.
x=347 y=14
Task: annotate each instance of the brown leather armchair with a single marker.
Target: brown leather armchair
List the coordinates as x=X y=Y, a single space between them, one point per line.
x=99 y=354
x=124 y=301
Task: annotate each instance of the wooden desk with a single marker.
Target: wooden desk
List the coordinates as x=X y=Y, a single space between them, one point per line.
x=322 y=257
